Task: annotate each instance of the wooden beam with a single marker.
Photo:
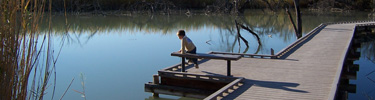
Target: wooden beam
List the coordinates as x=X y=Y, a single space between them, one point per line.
x=196 y=76
x=223 y=90
x=192 y=83
x=244 y=54
x=207 y=56
x=177 y=91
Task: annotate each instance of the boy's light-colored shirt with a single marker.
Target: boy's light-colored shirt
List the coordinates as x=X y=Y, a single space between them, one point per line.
x=186 y=44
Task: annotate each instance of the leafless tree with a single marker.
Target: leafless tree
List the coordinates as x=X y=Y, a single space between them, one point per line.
x=297 y=27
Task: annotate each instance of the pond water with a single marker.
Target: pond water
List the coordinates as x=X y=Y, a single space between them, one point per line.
x=114 y=56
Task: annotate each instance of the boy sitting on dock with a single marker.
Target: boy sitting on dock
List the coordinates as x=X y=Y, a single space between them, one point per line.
x=187 y=46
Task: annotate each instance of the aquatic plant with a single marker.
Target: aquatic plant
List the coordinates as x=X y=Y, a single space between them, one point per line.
x=26 y=59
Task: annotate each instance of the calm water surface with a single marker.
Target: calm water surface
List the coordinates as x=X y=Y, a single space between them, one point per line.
x=114 y=56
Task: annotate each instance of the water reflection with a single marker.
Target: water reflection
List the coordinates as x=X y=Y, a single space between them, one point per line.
x=268 y=26
x=368 y=48
x=365 y=81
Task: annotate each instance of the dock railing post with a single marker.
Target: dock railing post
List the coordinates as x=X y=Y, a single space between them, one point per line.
x=156 y=81
x=228 y=68
x=182 y=64
x=273 y=54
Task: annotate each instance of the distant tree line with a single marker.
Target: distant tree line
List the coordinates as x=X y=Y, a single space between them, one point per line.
x=342 y=4
x=208 y=5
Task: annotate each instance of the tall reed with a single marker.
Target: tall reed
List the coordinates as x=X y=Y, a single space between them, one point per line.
x=26 y=58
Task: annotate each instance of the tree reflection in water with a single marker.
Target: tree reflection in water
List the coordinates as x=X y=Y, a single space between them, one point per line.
x=264 y=24
x=368 y=48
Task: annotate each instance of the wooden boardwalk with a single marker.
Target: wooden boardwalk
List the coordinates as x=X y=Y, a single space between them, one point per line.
x=310 y=71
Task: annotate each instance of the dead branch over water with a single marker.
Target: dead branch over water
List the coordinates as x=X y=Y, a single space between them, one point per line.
x=291 y=20
x=252 y=32
x=247 y=29
x=239 y=35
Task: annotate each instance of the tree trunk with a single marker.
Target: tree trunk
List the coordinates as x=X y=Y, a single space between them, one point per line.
x=299 y=21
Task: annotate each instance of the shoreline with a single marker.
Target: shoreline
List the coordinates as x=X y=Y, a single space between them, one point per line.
x=194 y=12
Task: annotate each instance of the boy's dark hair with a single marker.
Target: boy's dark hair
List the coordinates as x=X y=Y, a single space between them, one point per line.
x=181 y=33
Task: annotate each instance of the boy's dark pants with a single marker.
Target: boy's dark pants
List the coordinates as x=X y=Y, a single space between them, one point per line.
x=194 y=51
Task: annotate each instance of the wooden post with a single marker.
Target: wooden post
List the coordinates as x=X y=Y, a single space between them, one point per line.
x=228 y=68
x=273 y=54
x=156 y=81
x=182 y=64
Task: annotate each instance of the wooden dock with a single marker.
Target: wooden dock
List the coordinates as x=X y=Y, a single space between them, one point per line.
x=307 y=69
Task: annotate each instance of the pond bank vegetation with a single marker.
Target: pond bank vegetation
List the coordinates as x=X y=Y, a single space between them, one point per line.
x=27 y=59
x=165 y=7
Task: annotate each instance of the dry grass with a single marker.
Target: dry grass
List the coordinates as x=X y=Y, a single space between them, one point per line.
x=27 y=62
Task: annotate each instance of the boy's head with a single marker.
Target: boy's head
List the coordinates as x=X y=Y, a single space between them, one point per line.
x=181 y=34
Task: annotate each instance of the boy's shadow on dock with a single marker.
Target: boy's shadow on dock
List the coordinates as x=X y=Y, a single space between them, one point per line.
x=248 y=83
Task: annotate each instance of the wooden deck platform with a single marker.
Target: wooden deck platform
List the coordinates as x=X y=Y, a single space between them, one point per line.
x=310 y=71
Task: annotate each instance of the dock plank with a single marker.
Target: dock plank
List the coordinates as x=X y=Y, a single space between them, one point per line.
x=308 y=72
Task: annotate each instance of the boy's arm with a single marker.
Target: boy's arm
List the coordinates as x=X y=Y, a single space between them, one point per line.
x=183 y=46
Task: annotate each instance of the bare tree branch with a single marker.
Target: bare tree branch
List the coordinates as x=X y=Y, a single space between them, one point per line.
x=239 y=35
x=291 y=20
x=252 y=32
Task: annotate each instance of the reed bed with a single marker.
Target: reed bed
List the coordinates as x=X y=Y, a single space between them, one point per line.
x=26 y=59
